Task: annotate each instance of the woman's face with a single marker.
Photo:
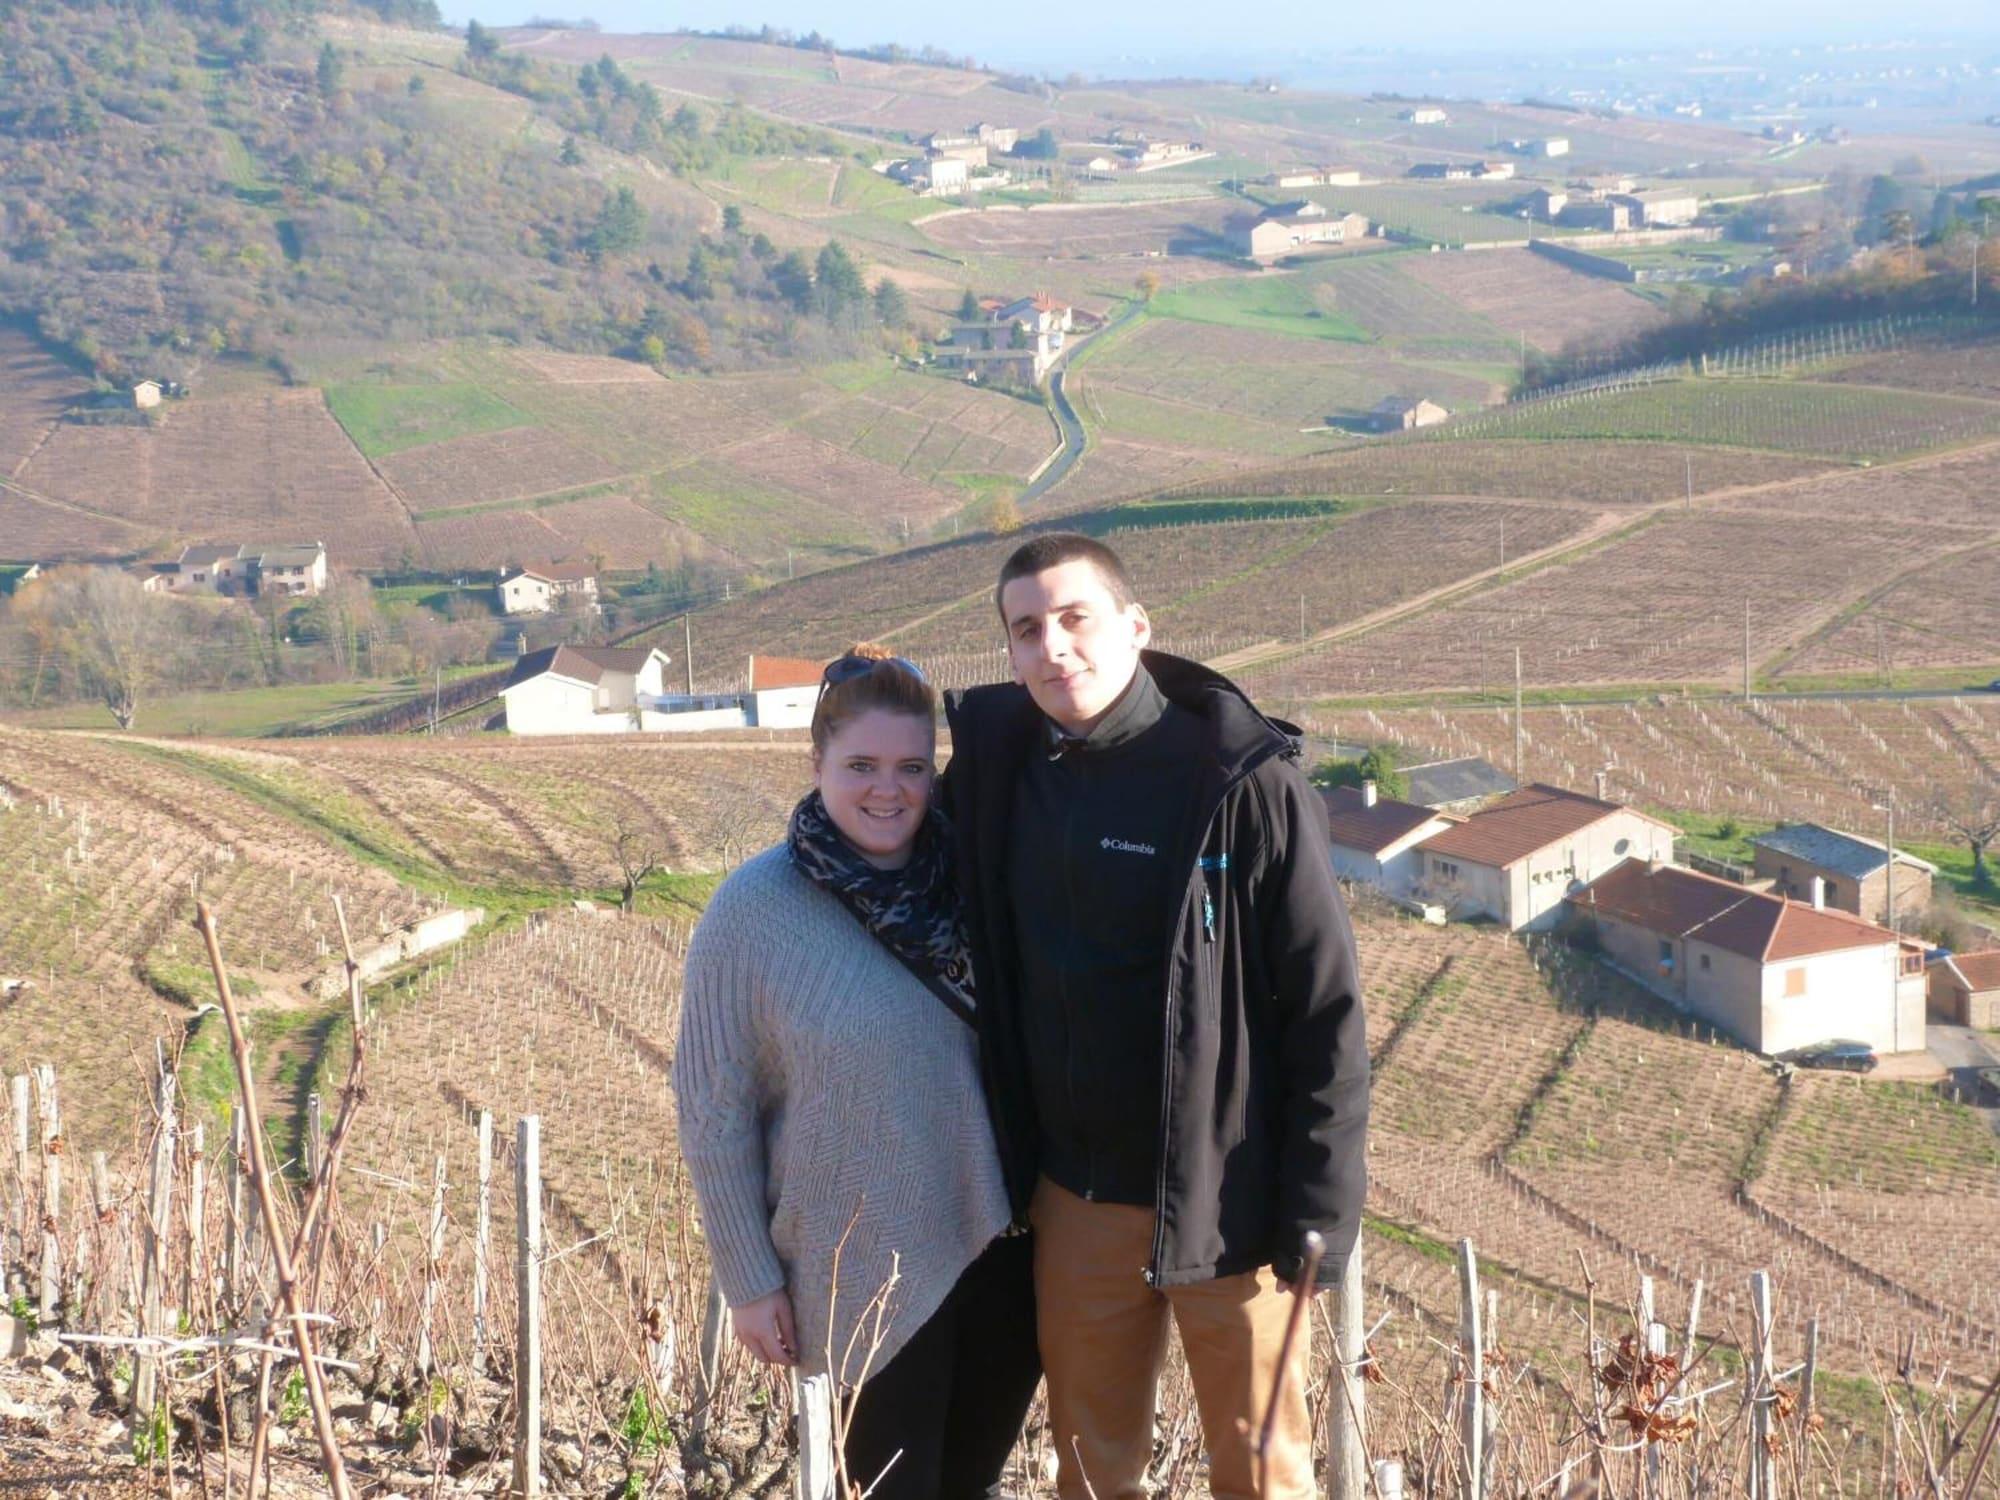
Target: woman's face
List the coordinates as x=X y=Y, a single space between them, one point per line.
x=875 y=777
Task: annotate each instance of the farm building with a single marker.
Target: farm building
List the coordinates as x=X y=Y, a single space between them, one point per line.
x=1551 y=148
x=146 y=394
x=1424 y=114
x=1965 y=988
x=1314 y=177
x=1659 y=207
x=12 y=578
x=226 y=568
x=1516 y=860
x=1545 y=203
x=1375 y=838
x=1773 y=972
x=1854 y=871
x=1493 y=171
x=1002 y=138
x=1604 y=183
x=1610 y=215
x=540 y=589
x=1402 y=413
x=585 y=690
x=1451 y=171
x=1271 y=237
x=1457 y=785
x=1040 y=314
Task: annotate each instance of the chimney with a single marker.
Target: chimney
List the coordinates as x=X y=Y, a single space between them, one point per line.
x=1603 y=779
x=1818 y=893
x=1368 y=794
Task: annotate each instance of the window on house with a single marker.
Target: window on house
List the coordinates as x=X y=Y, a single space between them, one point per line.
x=1447 y=869
x=1666 y=954
x=1795 y=983
x=1622 y=847
x=1704 y=963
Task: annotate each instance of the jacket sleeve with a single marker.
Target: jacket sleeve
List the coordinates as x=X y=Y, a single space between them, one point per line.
x=1323 y=1046
x=718 y=1090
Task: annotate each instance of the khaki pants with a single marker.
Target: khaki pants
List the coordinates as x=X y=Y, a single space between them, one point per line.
x=1103 y=1333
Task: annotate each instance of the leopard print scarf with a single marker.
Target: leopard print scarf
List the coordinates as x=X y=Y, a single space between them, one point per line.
x=913 y=912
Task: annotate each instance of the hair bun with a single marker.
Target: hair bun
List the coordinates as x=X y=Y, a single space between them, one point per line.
x=871 y=651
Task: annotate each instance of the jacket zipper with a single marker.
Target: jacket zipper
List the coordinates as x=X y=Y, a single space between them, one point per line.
x=1069 y=1013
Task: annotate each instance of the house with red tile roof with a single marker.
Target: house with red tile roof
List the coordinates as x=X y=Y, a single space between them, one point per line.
x=1375 y=838
x=1514 y=860
x=1773 y=972
x=1965 y=988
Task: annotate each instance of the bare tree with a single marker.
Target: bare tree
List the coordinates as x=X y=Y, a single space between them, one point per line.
x=1971 y=809
x=638 y=857
x=115 y=636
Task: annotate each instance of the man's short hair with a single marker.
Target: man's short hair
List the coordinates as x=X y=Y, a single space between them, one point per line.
x=1054 y=548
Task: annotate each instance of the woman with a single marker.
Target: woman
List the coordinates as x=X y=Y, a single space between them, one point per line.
x=831 y=1113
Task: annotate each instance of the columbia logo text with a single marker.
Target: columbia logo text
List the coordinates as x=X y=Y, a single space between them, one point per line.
x=1125 y=847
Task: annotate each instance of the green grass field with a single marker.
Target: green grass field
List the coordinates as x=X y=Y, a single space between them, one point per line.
x=1280 y=302
x=385 y=419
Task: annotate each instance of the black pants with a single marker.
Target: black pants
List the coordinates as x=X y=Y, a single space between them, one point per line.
x=952 y=1401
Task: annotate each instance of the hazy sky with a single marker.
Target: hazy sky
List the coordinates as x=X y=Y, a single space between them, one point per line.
x=1042 y=33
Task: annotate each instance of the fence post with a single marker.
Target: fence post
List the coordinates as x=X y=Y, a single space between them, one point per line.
x=480 y=1239
x=1763 y=1467
x=1472 y=1353
x=18 y=1094
x=197 y=1206
x=52 y=1145
x=818 y=1473
x=528 y=1288
x=433 y=1267
x=1347 y=1399
x=1652 y=1340
x=159 y=1228
x=714 y=1316
x=239 y=1229
x=1806 y=1378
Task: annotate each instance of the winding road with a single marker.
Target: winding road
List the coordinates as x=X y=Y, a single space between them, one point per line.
x=1074 y=438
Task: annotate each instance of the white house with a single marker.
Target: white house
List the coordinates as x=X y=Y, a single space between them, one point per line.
x=782 y=695
x=1515 y=860
x=1774 y=973
x=1424 y=114
x=298 y=571
x=228 y=568
x=586 y=690
x=1375 y=838
x=542 y=588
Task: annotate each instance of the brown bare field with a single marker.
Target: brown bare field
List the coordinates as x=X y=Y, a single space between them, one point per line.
x=1943 y=615
x=257 y=468
x=1954 y=489
x=840 y=480
x=1299 y=382
x=1079 y=233
x=36 y=530
x=34 y=389
x=620 y=530
x=1116 y=468
x=1520 y=292
x=514 y=464
x=1763 y=760
x=489 y=539
x=1663 y=604
x=925 y=428
x=1607 y=473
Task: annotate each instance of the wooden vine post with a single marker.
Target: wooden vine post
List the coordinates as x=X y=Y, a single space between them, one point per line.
x=50 y=1116
x=159 y=1235
x=18 y=1098
x=528 y=1323
x=267 y=1205
x=482 y=1238
x=1472 y=1354
x=1763 y=1465
x=1347 y=1395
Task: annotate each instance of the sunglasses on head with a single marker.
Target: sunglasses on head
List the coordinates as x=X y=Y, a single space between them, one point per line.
x=847 y=668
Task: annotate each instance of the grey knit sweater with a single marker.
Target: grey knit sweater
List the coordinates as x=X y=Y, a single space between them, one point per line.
x=822 y=1086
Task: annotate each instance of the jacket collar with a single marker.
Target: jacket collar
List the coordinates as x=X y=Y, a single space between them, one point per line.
x=1134 y=711
x=999 y=723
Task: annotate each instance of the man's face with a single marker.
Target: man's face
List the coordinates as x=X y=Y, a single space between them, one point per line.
x=1070 y=644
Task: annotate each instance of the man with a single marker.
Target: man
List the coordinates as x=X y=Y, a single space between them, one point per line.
x=1170 y=1017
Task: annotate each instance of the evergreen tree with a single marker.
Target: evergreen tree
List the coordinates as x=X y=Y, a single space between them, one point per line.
x=968 y=307
x=480 y=43
x=570 y=155
x=621 y=225
x=794 y=280
x=891 y=306
x=838 y=281
x=330 y=71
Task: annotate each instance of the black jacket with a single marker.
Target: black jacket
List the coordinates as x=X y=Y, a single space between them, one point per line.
x=1264 y=1098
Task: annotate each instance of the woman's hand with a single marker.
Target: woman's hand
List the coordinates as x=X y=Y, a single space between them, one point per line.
x=764 y=1327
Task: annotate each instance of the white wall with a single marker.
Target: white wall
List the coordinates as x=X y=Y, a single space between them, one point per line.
x=691 y=718
x=783 y=708
x=525 y=596
x=549 y=705
x=1537 y=884
x=1847 y=995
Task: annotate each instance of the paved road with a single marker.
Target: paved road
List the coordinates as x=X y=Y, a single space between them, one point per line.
x=1074 y=439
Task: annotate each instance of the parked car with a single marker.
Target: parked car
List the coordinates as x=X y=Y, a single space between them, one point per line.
x=1844 y=1056
x=1988 y=1087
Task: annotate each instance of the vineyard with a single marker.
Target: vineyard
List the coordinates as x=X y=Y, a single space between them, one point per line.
x=1765 y=761
x=1831 y=421
x=1551 y=306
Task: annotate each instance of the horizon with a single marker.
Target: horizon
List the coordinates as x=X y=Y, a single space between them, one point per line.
x=1152 y=42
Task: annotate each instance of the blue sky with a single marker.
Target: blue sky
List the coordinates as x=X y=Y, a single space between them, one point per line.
x=1041 y=34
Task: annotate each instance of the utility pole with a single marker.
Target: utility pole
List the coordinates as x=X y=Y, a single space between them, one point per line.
x=1746 y=649
x=1302 y=617
x=1519 y=731
x=687 y=652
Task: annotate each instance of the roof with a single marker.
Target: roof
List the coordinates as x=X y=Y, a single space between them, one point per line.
x=1677 y=902
x=562 y=572
x=1846 y=854
x=1522 y=822
x=1661 y=195
x=769 y=672
x=1456 y=781
x=580 y=663
x=1980 y=971
x=1352 y=825
x=303 y=555
x=208 y=555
